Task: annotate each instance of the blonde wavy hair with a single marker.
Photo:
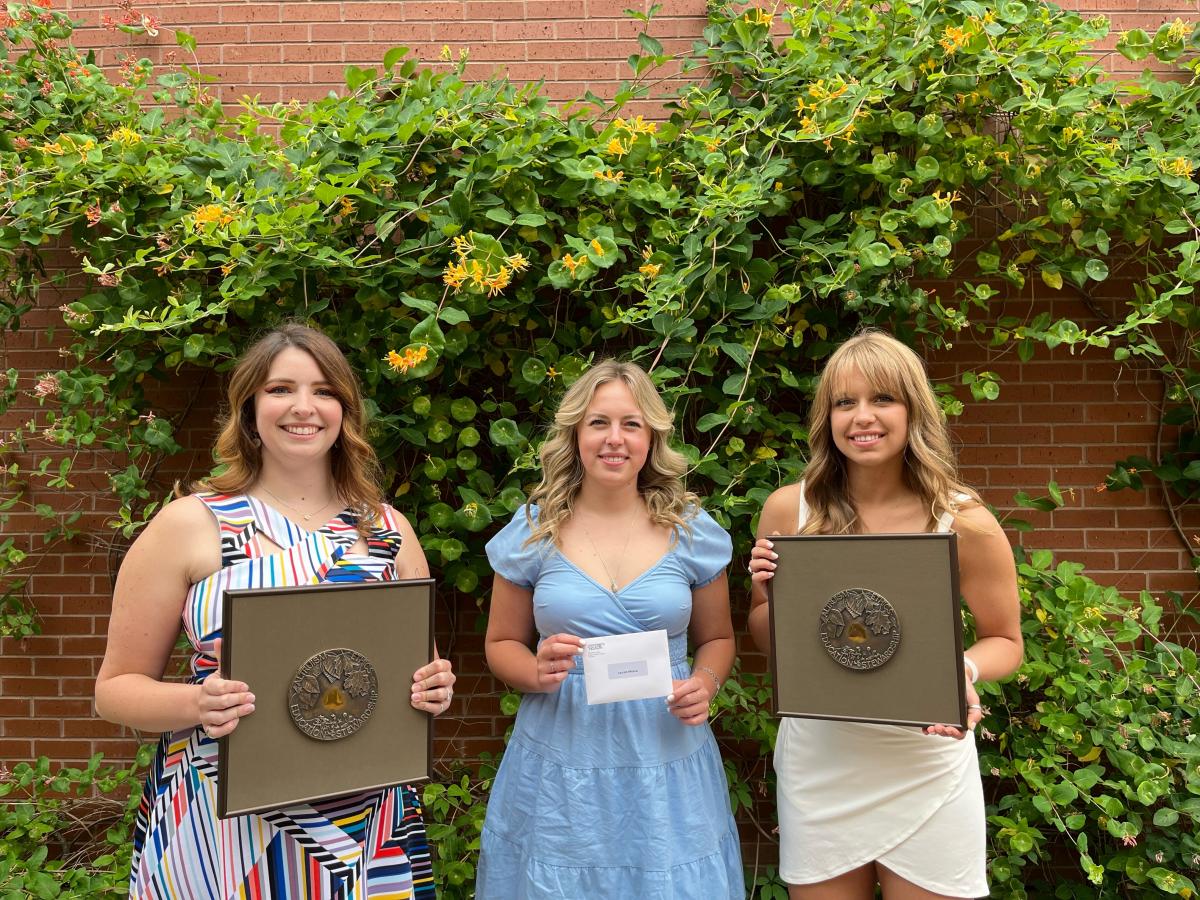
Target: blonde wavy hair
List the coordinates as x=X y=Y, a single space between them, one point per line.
x=930 y=469
x=353 y=463
x=660 y=482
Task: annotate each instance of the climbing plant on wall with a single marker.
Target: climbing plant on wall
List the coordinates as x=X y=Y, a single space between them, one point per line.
x=473 y=249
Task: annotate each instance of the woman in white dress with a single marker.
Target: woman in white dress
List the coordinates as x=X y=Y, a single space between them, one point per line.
x=863 y=804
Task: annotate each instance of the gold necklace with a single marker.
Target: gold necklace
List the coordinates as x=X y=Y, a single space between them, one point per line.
x=612 y=582
x=302 y=515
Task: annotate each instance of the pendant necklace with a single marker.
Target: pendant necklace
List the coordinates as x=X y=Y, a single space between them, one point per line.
x=302 y=515
x=612 y=581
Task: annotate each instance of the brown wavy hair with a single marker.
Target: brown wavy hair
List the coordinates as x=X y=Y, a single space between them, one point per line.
x=353 y=463
x=660 y=482
x=930 y=469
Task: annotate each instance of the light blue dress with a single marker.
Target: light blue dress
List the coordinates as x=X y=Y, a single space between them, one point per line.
x=619 y=800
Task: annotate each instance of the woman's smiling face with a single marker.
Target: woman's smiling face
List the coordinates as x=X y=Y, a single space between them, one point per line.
x=297 y=412
x=869 y=425
x=613 y=438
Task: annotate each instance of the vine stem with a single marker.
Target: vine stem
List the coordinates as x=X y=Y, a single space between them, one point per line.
x=741 y=393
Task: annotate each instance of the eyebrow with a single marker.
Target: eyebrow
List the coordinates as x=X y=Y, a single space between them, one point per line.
x=282 y=380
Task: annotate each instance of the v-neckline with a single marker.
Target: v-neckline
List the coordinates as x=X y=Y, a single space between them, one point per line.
x=273 y=514
x=627 y=585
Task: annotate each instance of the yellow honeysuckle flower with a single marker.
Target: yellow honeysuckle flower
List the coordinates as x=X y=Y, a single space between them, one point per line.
x=212 y=213
x=462 y=245
x=650 y=270
x=1179 y=166
x=499 y=281
x=571 y=263
x=617 y=148
x=408 y=360
x=756 y=16
x=455 y=275
x=517 y=262
x=953 y=39
x=125 y=135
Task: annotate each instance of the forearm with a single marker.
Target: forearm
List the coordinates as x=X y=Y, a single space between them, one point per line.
x=759 y=625
x=716 y=657
x=514 y=664
x=147 y=704
x=996 y=656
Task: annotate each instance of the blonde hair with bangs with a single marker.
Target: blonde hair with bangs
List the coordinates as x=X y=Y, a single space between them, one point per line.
x=660 y=482
x=930 y=469
x=353 y=463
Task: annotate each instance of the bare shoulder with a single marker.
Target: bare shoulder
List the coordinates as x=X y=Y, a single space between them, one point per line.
x=781 y=512
x=410 y=558
x=182 y=516
x=975 y=518
x=183 y=533
x=978 y=531
x=397 y=520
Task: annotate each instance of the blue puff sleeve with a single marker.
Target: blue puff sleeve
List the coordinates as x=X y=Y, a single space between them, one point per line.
x=511 y=557
x=706 y=554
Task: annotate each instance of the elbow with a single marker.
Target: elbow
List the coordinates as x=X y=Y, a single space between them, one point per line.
x=1018 y=652
x=100 y=700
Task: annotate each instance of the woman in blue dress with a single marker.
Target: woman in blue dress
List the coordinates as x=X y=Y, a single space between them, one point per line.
x=625 y=799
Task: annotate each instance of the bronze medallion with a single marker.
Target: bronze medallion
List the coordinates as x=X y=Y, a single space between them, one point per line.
x=333 y=694
x=859 y=629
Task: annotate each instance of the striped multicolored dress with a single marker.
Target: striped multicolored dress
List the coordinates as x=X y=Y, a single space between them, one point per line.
x=362 y=846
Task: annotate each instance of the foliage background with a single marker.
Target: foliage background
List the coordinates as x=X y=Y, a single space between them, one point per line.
x=473 y=249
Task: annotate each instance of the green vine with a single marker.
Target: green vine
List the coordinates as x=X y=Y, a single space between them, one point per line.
x=473 y=249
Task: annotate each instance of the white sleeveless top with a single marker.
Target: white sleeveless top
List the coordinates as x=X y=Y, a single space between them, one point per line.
x=850 y=794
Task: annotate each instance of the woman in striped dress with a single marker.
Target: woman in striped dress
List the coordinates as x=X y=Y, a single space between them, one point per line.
x=298 y=503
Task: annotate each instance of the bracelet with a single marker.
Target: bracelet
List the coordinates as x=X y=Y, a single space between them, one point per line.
x=712 y=675
x=972 y=669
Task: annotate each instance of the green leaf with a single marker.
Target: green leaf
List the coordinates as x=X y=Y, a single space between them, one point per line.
x=428 y=332
x=463 y=409
x=1165 y=817
x=1013 y=12
x=1134 y=45
x=817 y=172
x=393 y=56
x=649 y=44
x=877 y=255
x=927 y=168
x=1053 y=278
x=533 y=370
x=1096 y=269
x=504 y=433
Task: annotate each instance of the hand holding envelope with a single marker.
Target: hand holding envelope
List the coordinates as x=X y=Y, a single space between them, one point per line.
x=627 y=667
x=554 y=660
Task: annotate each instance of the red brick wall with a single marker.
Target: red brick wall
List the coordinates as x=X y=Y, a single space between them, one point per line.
x=1059 y=417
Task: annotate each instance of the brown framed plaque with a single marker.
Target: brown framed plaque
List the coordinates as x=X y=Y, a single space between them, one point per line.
x=867 y=628
x=330 y=666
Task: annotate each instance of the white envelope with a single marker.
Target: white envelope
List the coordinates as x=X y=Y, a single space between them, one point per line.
x=627 y=667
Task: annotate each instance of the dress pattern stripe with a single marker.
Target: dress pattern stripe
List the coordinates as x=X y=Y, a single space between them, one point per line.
x=370 y=845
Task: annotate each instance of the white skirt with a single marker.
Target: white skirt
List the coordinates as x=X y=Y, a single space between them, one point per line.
x=850 y=794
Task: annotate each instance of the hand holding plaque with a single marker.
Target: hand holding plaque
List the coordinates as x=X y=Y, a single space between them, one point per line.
x=337 y=708
x=866 y=627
